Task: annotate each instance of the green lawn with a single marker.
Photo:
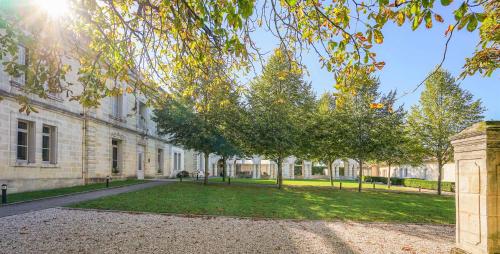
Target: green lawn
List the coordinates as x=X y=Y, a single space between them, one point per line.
x=287 y=203
x=350 y=184
x=25 y=196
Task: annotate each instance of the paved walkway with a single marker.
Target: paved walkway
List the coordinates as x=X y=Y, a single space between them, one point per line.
x=36 y=205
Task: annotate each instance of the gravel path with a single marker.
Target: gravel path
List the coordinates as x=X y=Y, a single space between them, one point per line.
x=59 y=230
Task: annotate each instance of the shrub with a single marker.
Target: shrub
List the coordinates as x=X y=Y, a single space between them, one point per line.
x=244 y=174
x=426 y=184
x=183 y=174
x=381 y=179
x=318 y=170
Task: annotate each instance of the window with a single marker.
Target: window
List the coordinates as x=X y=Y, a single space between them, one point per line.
x=22 y=59
x=160 y=160
x=49 y=144
x=142 y=115
x=25 y=141
x=117 y=106
x=115 y=158
x=177 y=161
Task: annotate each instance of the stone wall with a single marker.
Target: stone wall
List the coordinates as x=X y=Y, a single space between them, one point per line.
x=477 y=160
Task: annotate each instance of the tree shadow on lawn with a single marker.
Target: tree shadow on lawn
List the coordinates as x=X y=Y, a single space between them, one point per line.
x=325 y=204
x=287 y=203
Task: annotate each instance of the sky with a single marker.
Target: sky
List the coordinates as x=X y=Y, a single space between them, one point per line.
x=409 y=57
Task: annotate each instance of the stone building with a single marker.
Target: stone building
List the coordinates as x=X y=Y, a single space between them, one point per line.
x=66 y=144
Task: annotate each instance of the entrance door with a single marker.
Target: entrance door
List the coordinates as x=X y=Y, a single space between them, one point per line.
x=140 y=162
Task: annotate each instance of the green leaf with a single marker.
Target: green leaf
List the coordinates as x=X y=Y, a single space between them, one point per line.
x=446 y=2
x=245 y=8
x=416 y=22
x=460 y=12
x=472 y=23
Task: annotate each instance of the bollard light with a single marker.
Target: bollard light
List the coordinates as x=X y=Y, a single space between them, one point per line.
x=107 y=181
x=229 y=180
x=4 y=193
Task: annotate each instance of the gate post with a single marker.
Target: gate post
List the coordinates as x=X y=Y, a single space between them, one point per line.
x=477 y=163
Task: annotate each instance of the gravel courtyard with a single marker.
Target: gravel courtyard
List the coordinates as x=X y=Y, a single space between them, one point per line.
x=61 y=230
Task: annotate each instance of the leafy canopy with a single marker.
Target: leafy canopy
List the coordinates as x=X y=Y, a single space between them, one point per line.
x=110 y=40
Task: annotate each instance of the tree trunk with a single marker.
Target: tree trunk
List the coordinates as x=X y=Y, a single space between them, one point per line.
x=331 y=172
x=224 y=169
x=440 y=169
x=280 y=175
x=360 y=182
x=205 y=181
x=389 y=177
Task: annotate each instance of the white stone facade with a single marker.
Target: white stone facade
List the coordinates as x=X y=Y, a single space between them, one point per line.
x=83 y=142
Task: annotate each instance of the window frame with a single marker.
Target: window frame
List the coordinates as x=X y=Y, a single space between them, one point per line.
x=177 y=161
x=116 y=146
x=142 y=111
x=30 y=141
x=52 y=144
x=25 y=147
x=117 y=106
x=21 y=80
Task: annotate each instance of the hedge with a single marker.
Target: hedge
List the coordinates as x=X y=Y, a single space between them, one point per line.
x=380 y=179
x=413 y=182
x=431 y=185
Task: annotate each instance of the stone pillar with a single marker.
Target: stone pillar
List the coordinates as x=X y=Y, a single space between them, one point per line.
x=307 y=169
x=231 y=169
x=288 y=168
x=256 y=166
x=477 y=162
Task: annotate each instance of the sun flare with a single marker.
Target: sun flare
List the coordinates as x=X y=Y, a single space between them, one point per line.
x=54 y=8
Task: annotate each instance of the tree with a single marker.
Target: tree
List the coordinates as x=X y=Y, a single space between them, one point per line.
x=398 y=147
x=444 y=110
x=279 y=100
x=198 y=113
x=328 y=133
x=153 y=39
x=366 y=115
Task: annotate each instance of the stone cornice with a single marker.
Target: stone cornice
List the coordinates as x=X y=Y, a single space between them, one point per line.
x=477 y=129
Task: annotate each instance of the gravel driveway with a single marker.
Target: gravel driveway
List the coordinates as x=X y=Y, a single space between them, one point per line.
x=59 y=230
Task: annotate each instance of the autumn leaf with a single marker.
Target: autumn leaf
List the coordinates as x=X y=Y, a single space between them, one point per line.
x=400 y=18
x=379 y=38
x=379 y=65
x=376 y=105
x=450 y=28
x=428 y=20
x=438 y=18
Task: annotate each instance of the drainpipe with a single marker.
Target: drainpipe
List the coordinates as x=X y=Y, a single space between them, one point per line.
x=84 y=148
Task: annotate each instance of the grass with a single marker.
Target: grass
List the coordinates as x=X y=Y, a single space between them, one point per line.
x=31 y=195
x=288 y=203
x=349 y=184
